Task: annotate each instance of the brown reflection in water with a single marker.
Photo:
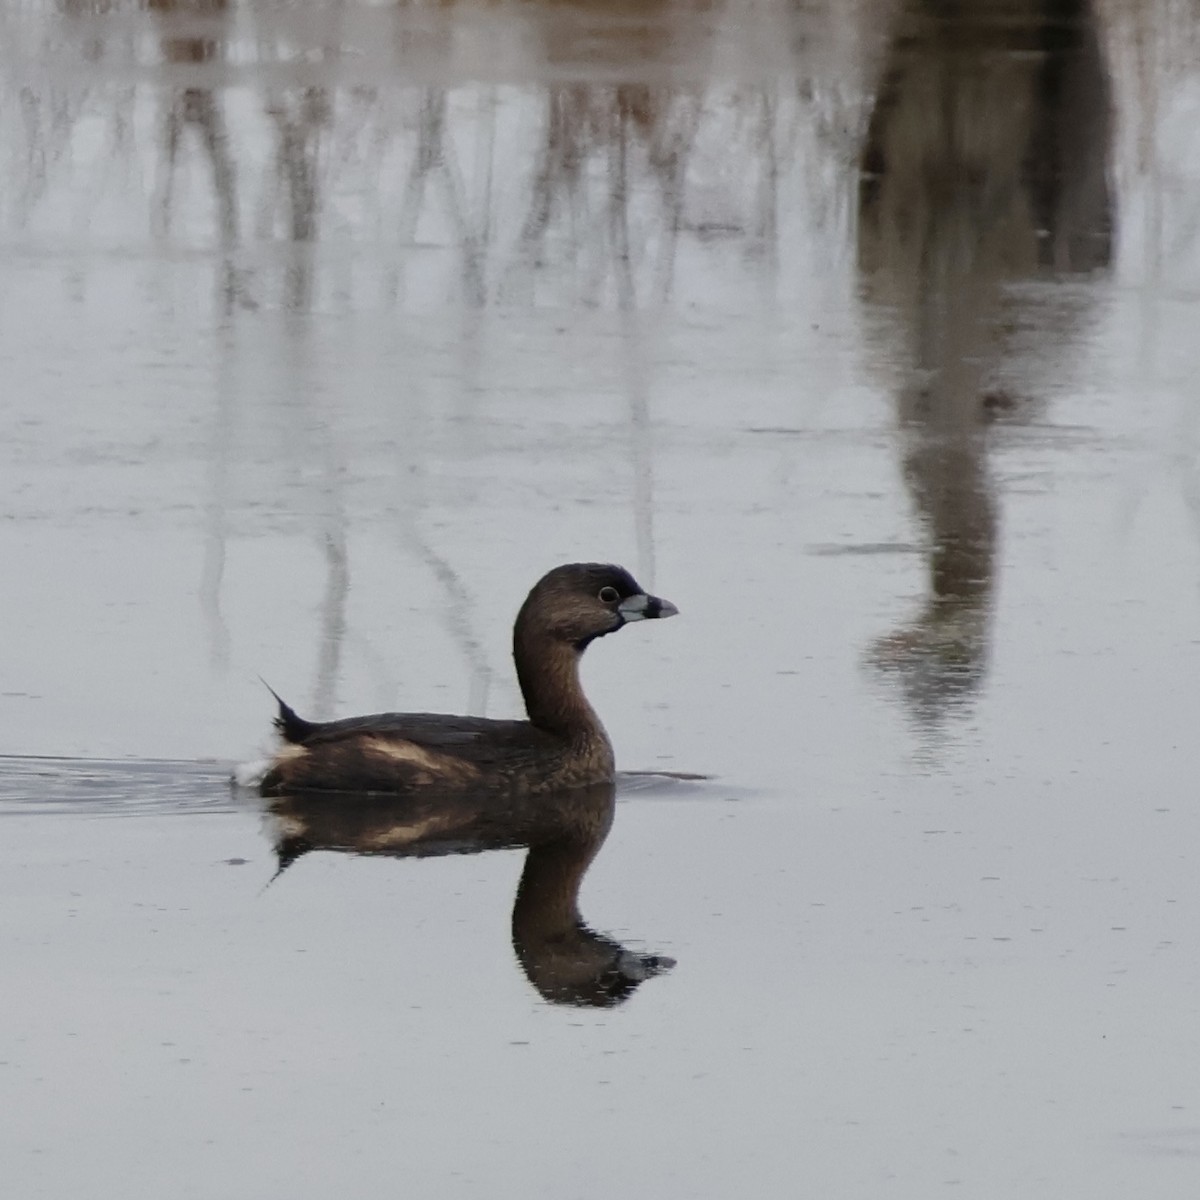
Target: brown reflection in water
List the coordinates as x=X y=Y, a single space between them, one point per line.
x=564 y=959
x=985 y=164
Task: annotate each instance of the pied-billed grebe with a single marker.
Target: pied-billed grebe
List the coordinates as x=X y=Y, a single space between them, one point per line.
x=563 y=744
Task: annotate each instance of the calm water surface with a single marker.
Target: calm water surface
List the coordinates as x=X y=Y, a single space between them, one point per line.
x=866 y=333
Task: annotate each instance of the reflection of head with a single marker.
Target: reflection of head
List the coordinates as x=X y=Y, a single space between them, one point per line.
x=565 y=960
x=591 y=971
x=562 y=957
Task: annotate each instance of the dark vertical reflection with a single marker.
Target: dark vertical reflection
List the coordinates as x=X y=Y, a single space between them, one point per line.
x=457 y=613
x=193 y=32
x=985 y=164
x=641 y=443
x=317 y=426
x=641 y=131
x=217 y=504
x=565 y=960
x=300 y=116
x=624 y=237
x=434 y=160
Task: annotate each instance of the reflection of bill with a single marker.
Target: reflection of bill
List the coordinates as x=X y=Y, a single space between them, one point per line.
x=564 y=959
x=985 y=164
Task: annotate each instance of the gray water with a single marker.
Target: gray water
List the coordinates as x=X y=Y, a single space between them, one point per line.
x=865 y=333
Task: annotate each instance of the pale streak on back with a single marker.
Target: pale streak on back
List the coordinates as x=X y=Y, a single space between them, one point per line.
x=411 y=754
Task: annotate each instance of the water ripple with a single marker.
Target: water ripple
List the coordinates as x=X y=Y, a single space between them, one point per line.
x=123 y=787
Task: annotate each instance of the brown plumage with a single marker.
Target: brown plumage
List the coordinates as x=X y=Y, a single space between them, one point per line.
x=562 y=744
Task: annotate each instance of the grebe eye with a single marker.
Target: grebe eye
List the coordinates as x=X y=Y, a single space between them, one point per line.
x=609 y=595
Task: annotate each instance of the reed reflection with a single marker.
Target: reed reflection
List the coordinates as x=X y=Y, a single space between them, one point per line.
x=193 y=33
x=985 y=164
x=360 y=124
x=565 y=960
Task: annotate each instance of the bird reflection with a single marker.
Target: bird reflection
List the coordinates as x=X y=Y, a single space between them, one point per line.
x=565 y=960
x=985 y=163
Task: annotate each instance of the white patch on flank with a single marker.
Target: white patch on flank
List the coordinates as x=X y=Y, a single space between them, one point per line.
x=250 y=774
